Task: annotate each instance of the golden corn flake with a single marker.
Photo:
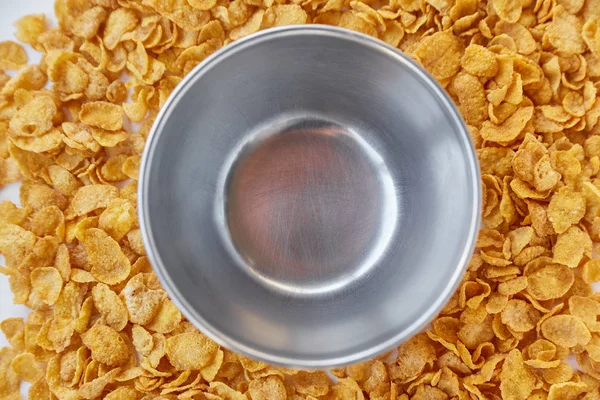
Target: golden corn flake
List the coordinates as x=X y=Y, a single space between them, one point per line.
x=86 y=25
x=564 y=32
x=70 y=79
x=524 y=76
x=587 y=309
x=566 y=208
x=30 y=27
x=591 y=271
x=166 y=319
x=440 y=54
x=111 y=308
x=12 y=55
x=102 y=114
x=571 y=246
x=591 y=35
x=119 y=22
x=267 y=388
x=106 y=345
x=116 y=92
x=550 y=282
x=35 y=118
x=520 y=316
x=90 y=198
x=63 y=180
x=9 y=380
x=566 y=331
x=142 y=340
x=516 y=380
x=471 y=98
x=508 y=130
x=47 y=283
x=567 y=390
x=142 y=302
x=190 y=350
x=285 y=14
x=108 y=262
x=26 y=366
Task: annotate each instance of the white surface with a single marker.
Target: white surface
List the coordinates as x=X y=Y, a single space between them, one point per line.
x=10 y=11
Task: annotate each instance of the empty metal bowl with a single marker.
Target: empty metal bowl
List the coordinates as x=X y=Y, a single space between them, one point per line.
x=309 y=197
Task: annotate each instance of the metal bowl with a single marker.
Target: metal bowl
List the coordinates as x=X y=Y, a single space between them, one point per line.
x=309 y=197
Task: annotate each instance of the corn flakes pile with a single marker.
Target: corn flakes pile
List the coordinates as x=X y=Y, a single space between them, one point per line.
x=525 y=75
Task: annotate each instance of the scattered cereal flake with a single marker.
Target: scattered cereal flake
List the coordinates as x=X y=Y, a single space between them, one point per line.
x=190 y=350
x=267 y=388
x=90 y=198
x=566 y=331
x=109 y=263
x=106 y=345
x=567 y=390
x=550 y=282
x=510 y=129
x=119 y=22
x=102 y=114
x=112 y=309
x=26 y=366
x=142 y=302
x=571 y=246
x=508 y=10
x=440 y=54
x=566 y=208
x=166 y=319
x=30 y=27
x=516 y=380
x=520 y=316
x=12 y=55
x=35 y=118
x=9 y=380
x=564 y=32
x=285 y=14
x=47 y=283
x=591 y=271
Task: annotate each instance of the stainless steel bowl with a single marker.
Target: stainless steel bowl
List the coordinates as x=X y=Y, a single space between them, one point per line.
x=309 y=197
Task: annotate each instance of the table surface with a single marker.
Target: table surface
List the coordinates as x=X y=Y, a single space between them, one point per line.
x=10 y=11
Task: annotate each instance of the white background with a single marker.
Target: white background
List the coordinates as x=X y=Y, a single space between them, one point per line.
x=10 y=11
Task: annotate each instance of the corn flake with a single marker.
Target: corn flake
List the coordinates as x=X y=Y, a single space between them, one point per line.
x=523 y=74
x=566 y=331
x=108 y=262
x=90 y=198
x=142 y=302
x=190 y=350
x=30 y=27
x=564 y=32
x=106 y=345
x=111 y=308
x=571 y=246
x=516 y=380
x=440 y=54
x=26 y=366
x=12 y=55
x=510 y=129
x=566 y=208
x=102 y=114
x=47 y=283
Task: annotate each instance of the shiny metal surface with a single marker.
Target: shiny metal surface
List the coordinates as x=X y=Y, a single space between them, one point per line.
x=309 y=197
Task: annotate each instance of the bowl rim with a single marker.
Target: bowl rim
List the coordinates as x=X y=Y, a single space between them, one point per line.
x=222 y=338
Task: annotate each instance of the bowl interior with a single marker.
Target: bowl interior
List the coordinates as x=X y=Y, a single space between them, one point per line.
x=284 y=104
